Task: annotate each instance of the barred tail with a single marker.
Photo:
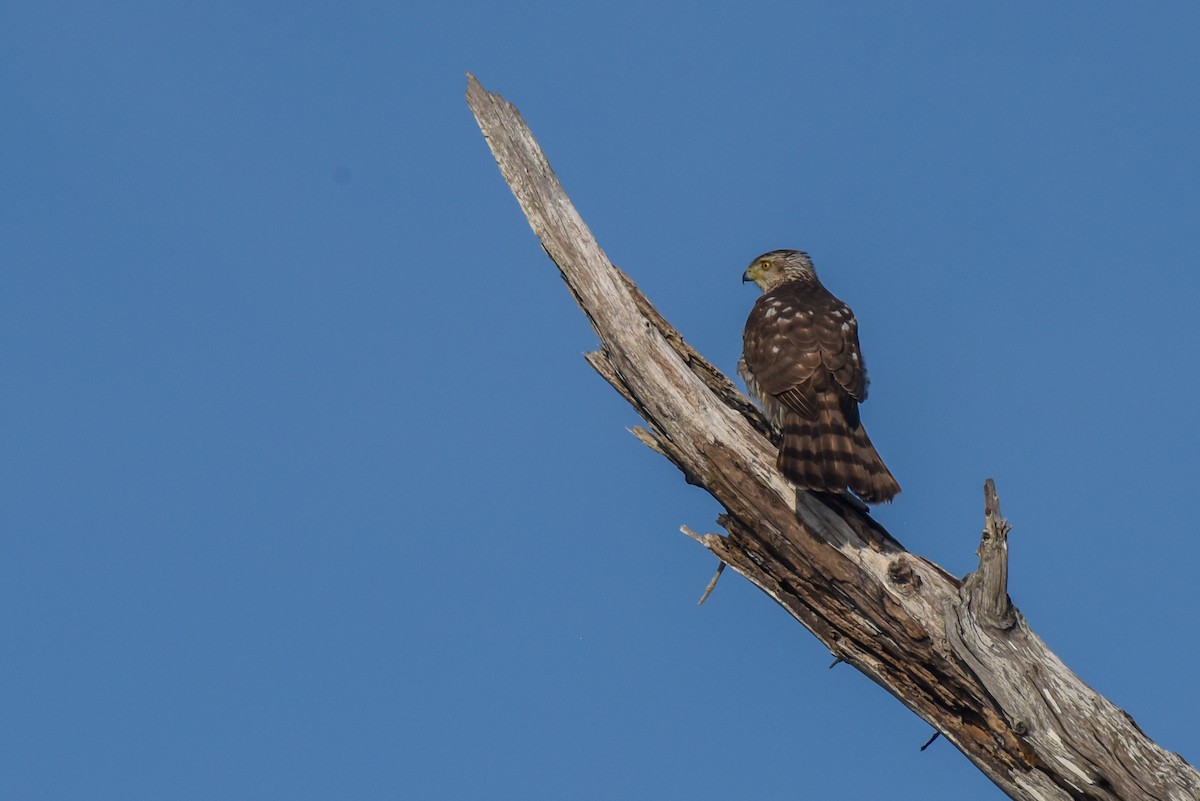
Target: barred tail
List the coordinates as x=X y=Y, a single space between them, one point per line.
x=832 y=453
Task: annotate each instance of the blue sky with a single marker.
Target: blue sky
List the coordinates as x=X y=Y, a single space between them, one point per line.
x=307 y=492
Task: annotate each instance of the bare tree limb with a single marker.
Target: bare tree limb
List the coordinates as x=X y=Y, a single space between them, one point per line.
x=956 y=653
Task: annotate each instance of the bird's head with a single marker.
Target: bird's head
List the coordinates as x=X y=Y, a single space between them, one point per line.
x=779 y=266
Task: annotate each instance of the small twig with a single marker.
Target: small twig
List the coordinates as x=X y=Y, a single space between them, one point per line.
x=711 y=585
x=836 y=662
x=929 y=742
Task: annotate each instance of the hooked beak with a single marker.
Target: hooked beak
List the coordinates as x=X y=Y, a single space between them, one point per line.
x=746 y=277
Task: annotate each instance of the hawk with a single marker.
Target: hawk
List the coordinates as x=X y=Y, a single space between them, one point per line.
x=801 y=361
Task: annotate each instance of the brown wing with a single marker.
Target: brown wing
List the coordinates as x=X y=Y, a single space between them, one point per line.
x=781 y=350
x=837 y=335
x=792 y=333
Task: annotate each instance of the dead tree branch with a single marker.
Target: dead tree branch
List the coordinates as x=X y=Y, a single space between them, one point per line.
x=956 y=653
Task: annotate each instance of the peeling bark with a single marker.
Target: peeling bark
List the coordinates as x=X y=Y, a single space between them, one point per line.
x=958 y=654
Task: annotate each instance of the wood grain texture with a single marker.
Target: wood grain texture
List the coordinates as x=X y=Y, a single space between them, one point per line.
x=956 y=653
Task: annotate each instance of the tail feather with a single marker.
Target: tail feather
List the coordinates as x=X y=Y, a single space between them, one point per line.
x=832 y=454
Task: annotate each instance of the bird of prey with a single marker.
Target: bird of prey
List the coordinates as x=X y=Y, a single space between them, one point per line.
x=801 y=361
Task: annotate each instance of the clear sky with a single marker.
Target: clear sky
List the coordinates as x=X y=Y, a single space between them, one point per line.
x=308 y=493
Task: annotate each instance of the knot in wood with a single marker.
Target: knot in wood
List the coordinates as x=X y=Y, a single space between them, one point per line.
x=901 y=574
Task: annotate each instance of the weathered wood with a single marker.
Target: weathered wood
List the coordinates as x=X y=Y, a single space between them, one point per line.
x=986 y=590
x=956 y=653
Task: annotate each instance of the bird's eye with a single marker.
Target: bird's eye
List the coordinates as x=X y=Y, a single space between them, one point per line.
x=765 y=266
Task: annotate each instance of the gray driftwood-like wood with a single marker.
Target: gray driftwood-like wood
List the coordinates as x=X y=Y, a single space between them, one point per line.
x=957 y=653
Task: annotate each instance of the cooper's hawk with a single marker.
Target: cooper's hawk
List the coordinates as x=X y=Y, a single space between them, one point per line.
x=801 y=361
